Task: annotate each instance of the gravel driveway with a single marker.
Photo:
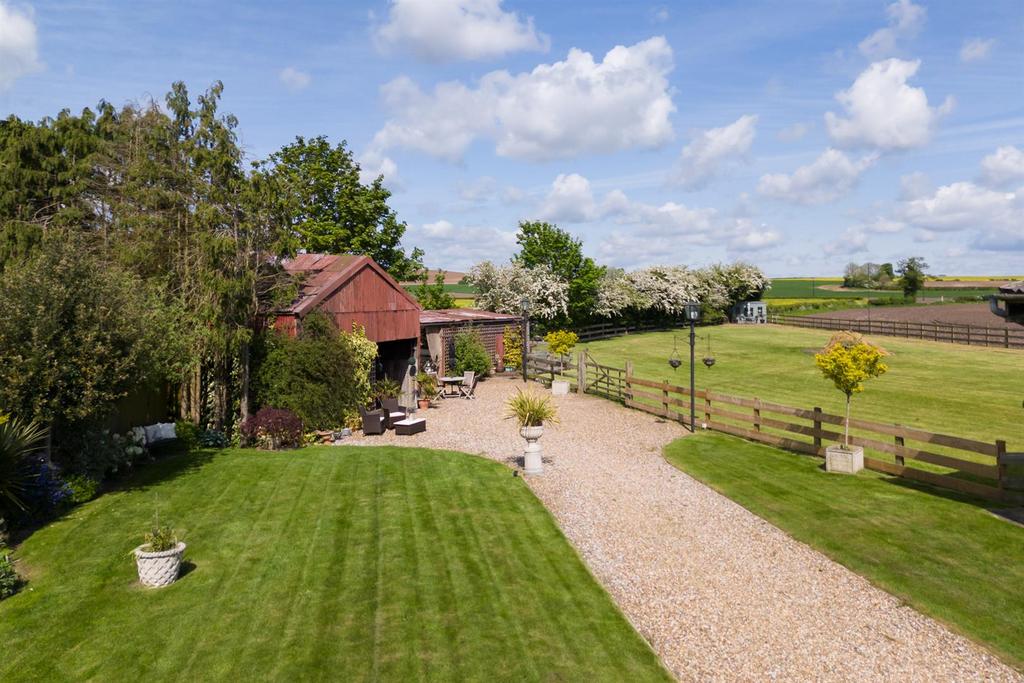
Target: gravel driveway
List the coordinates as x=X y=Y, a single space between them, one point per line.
x=719 y=593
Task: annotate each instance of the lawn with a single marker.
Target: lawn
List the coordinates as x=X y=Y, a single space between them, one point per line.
x=951 y=389
x=804 y=288
x=943 y=554
x=326 y=563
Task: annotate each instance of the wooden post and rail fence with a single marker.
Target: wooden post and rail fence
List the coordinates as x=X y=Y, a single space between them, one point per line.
x=1004 y=337
x=984 y=469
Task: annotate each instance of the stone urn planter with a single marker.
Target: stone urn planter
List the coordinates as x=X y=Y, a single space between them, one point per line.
x=159 y=569
x=844 y=459
x=423 y=403
x=532 y=453
x=560 y=387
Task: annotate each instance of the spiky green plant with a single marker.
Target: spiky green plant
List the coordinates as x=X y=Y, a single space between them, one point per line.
x=531 y=409
x=18 y=440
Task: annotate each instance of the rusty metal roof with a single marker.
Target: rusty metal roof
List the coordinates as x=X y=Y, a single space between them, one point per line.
x=325 y=274
x=1012 y=288
x=455 y=316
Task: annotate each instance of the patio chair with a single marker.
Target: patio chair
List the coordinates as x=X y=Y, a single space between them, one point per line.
x=374 y=421
x=468 y=384
x=393 y=412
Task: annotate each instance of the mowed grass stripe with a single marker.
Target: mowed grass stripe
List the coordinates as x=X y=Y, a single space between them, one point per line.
x=320 y=563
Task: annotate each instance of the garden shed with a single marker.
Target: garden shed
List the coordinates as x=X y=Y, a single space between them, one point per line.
x=356 y=290
x=438 y=330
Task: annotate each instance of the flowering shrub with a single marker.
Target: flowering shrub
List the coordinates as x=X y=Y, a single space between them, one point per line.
x=513 y=338
x=273 y=428
x=502 y=289
x=46 y=492
x=9 y=580
x=83 y=488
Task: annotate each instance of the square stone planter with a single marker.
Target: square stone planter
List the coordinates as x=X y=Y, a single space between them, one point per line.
x=843 y=459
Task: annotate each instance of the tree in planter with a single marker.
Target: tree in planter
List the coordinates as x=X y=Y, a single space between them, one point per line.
x=471 y=354
x=561 y=342
x=849 y=360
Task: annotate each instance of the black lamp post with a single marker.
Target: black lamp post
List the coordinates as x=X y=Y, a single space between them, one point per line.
x=692 y=311
x=524 y=303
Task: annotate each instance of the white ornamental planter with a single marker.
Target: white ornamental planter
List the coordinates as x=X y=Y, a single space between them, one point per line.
x=157 y=570
x=559 y=388
x=532 y=452
x=844 y=459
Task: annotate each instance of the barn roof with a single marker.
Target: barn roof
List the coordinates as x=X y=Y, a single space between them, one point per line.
x=1012 y=288
x=326 y=274
x=454 y=316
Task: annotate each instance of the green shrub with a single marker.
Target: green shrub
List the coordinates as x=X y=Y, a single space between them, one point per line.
x=561 y=342
x=161 y=538
x=83 y=488
x=427 y=386
x=892 y=301
x=9 y=581
x=188 y=433
x=513 y=338
x=471 y=354
x=322 y=375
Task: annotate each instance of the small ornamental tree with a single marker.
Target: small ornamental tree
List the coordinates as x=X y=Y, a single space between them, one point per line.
x=513 y=338
x=561 y=342
x=471 y=354
x=849 y=360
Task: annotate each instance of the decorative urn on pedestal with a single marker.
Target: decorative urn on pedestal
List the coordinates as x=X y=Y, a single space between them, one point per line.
x=531 y=411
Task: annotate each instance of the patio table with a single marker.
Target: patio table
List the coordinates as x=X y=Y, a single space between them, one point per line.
x=451 y=386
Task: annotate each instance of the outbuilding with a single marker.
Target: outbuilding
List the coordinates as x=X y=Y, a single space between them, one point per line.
x=438 y=329
x=355 y=290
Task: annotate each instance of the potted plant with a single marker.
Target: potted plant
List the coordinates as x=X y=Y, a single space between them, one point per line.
x=158 y=559
x=561 y=343
x=428 y=389
x=531 y=411
x=848 y=360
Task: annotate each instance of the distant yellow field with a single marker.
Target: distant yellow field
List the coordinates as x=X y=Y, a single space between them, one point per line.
x=978 y=278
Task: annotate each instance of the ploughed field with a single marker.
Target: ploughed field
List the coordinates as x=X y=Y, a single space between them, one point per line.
x=975 y=315
x=326 y=563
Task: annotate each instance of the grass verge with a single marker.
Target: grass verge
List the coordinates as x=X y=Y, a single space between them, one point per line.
x=942 y=553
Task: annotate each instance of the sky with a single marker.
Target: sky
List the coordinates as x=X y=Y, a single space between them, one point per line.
x=798 y=136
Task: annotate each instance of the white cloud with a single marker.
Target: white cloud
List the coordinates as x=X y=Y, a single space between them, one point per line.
x=883 y=111
x=750 y=238
x=457 y=247
x=793 y=133
x=373 y=164
x=1003 y=167
x=571 y=200
x=923 y=235
x=445 y=30
x=710 y=149
x=19 y=45
x=558 y=110
x=964 y=205
x=852 y=241
x=294 y=79
x=826 y=179
x=976 y=49
x=905 y=21
x=915 y=185
x=884 y=226
x=479 y=189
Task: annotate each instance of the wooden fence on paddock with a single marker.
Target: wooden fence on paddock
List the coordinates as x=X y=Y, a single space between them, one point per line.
x=979 y=468
x=616 y=329
x=1005 y=337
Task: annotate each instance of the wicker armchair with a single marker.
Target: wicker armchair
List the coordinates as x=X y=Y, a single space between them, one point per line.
x=393 y=412
x=374 y=421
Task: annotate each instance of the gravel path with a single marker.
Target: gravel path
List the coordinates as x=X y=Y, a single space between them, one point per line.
x=719 y=593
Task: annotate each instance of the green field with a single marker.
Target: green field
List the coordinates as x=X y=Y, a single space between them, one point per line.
x=321 y=564
x=943 y=554
x=960 y=390
x=813 y=288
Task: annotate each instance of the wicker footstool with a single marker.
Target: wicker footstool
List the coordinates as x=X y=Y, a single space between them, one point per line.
x=410 y=426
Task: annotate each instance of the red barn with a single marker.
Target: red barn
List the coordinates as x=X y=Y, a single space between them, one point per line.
x=355 y=290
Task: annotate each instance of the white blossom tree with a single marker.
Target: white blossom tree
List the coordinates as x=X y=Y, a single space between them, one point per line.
x=502 y=289
x=735 y=282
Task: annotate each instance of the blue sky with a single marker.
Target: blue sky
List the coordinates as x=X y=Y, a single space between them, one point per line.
x=798 y=136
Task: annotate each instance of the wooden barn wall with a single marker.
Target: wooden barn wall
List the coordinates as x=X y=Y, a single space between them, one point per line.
x=371 y=301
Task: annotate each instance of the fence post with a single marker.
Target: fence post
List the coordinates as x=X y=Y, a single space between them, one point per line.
x=581 y=373
x=664 y=396
x=1006 y=338
x=817 y=427
x=1000 y=465
x=707 y=405
x=757 y=414
x=899 y=458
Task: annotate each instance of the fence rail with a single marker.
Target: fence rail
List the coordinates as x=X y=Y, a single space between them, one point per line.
x=616 y=329
x=978 y=468
x=1005 y=337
